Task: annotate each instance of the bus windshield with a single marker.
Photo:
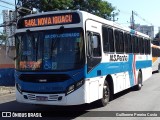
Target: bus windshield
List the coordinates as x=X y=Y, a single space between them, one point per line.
x=56 y=50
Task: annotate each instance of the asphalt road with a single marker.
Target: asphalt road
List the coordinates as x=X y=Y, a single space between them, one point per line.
x=147 y=99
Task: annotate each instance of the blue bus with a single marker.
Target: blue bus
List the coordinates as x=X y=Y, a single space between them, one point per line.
x=73 y=57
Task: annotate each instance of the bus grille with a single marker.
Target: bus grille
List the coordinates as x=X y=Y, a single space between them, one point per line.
x=39 y=78
x=49 y=98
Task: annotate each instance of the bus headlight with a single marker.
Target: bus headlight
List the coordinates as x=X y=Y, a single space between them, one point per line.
x=75 y=86
x=70 y=89
x=79 y=83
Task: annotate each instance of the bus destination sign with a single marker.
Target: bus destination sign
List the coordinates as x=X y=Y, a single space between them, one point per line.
x=49 y=20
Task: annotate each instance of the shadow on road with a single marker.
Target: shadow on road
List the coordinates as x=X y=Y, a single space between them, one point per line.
x=120 y=94
x=67 y=112
x=155 y=72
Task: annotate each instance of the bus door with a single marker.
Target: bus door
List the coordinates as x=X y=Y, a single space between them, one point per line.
x=94 y=56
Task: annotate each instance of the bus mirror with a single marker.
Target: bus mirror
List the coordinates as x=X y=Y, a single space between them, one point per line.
x=94 y=42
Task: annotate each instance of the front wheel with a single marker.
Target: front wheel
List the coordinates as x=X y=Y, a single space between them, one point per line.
x=106 y=95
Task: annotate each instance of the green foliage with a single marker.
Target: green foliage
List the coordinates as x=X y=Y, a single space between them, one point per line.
x=51 y=5
x=3 y=38
x=98 y=7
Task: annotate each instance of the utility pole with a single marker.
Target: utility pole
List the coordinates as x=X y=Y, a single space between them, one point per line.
x=132 y=20
x=16 y=10
x=113 y=16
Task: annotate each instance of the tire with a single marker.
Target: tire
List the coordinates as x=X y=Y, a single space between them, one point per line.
x=139 y=85
x=106 y=95
x=158 y=68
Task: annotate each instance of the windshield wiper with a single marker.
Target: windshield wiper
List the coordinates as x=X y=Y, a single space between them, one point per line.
x=60 y=31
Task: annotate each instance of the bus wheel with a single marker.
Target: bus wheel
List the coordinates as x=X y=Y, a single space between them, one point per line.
x=158 y=68
x=106 y=95
x=139 y=85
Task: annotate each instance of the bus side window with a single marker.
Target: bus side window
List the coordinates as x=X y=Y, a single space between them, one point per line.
x=147 y=46
x=140 y=44
x=121 y=41
x=126 y=43
x=111 y=40
x=136 y=47
x=129 y=43
x=106 y=46
x=117 y=41
x=108 y=39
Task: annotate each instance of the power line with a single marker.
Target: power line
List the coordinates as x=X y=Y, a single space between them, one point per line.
x=7 y=2
x=137 y=15
x=124 y=12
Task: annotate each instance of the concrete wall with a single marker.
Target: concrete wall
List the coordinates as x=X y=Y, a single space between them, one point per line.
x=6 y=61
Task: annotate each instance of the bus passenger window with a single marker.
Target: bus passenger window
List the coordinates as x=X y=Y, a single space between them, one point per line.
x=126 y=43
x=111 y=40
x=129 y=43
x=108 y=39
x=121 y=41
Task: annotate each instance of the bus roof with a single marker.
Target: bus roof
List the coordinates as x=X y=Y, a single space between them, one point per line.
x=87 y=15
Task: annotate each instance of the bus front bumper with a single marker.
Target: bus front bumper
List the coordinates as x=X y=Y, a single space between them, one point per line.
x=75 y=98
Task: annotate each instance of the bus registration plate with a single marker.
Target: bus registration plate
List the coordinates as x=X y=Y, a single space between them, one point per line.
x=41 y=98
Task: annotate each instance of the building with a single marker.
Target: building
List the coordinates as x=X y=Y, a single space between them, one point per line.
x=7 y=52
x=148 y=30
x=9 y=29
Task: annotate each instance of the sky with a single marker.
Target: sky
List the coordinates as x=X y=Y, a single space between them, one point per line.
x=148 y=12
x=4 y=6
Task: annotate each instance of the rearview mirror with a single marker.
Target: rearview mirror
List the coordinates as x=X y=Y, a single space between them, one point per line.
x=94 y=42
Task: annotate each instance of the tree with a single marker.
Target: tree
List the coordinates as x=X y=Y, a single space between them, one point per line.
x=3 y=38
x=51 y=5
x=98 y=7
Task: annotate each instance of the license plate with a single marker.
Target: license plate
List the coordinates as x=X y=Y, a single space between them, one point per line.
x=41 y=98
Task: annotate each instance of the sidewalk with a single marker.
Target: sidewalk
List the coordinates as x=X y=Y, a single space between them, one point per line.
x=6 y=90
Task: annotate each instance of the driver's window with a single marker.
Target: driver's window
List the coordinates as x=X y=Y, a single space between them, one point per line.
x=96 y=47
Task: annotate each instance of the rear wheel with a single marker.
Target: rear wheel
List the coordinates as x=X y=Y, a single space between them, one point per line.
x=106 y=95
x=158 y=68
x=139 y=85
